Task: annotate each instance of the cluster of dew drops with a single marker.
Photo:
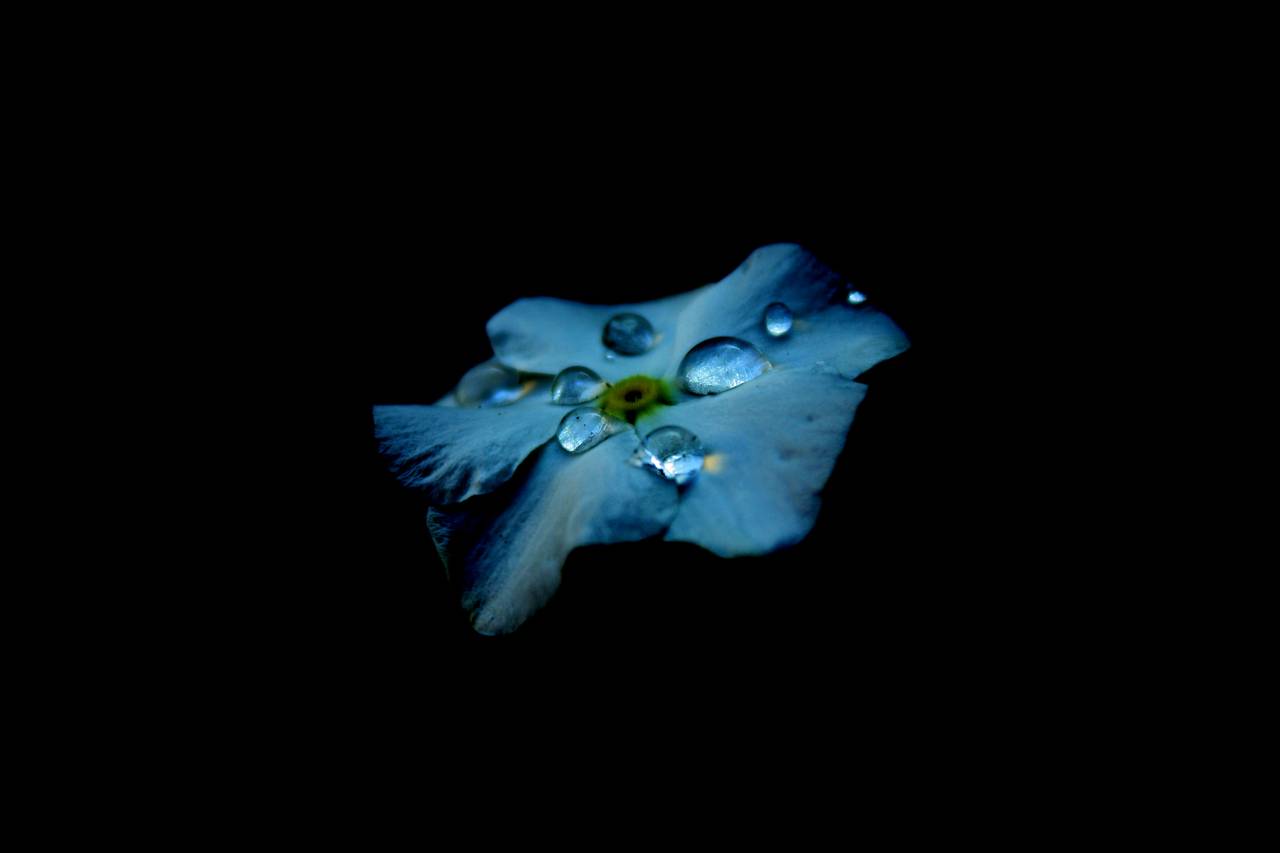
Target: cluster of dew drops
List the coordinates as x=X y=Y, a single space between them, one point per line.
x=711 y=367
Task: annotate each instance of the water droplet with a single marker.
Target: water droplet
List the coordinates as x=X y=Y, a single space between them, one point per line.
x=628 y=334
x=719 y=364
x=610 y=355
x=575 y=385
x=584 y=428
x=855 y=297
x=777 y=319
x=490 y=384
x=673 y=452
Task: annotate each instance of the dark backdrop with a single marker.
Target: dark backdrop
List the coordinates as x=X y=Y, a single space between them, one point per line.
x=908 y=573
x=898 y=565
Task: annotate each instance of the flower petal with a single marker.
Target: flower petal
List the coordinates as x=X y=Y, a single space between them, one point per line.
x=453 y=452
x=510 y=548
x=771 y=445
x=846 y=339
x=546 y=335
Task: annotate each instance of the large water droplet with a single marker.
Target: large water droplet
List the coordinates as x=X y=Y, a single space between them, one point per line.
x=629 y=334
x=584 y=428
x=575 y=385
x=777 y=319
x=719 y=364
x=673 y=452
x=490 y=384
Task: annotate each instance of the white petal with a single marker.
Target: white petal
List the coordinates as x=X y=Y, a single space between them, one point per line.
x=771 y=445
x=510 y=548
x=845 y=339
x=545 y=335
x=454 y=453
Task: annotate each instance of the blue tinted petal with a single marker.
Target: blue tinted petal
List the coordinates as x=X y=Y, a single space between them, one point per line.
x=509 y=548
x=771 y=445
x=825 y=331
x=454 y=453
x=546 y=335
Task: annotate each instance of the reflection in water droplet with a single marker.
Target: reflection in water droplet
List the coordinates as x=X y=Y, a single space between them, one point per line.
x=628 y=334
x=575 y=385
x=584 y=428
x=719 y=364
x=855 y=297
x=673 y=452
x=490 y=384
x=777 y=319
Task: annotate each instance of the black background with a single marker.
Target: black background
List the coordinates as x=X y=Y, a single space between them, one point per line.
x=372 y=244
x=928 y=576
x=377 y=240
x=392 y=237
x=908 y=570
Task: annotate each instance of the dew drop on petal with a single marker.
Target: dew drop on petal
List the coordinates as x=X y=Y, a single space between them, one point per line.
x=575 y=385
x=584 y=428
x=673 y=452
x=855 y=297
x=719 y=364
x=777 y=319
x=490 y=384
x=628 y=334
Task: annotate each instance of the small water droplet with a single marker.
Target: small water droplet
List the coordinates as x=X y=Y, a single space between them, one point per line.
x=673 y=452
x=575 y=385
x=490 y=384
x=610 y=355
x=719 y=364
x=628 y=334
x=777 y=319
x=584 y=428
x=855 y=297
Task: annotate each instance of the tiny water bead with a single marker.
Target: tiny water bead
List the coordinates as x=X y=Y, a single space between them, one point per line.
x=628 y=334
x=575 y=385
x=855 y=297
x=490 y=384
x=673 y=452
x=777 y=319
x=584 y=428
x=718 y=364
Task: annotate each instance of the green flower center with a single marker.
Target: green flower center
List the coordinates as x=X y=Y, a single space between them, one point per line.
x=636 y=396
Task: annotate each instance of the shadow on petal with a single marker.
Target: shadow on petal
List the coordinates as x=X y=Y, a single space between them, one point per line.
x=454 y=453
x=507 y=550
x=773 y=443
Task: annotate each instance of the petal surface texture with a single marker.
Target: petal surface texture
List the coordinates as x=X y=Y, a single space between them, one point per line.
x=509 y=548
x=454 y=453
x=546 y=335
x=825 y=332
x=771 y=444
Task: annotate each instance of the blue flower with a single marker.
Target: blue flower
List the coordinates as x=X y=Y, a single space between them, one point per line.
x=767 y=435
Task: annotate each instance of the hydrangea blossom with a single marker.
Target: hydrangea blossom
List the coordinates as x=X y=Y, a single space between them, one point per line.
x=713 y=417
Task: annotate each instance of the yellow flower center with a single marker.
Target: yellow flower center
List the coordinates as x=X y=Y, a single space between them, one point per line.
x=636 y=396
